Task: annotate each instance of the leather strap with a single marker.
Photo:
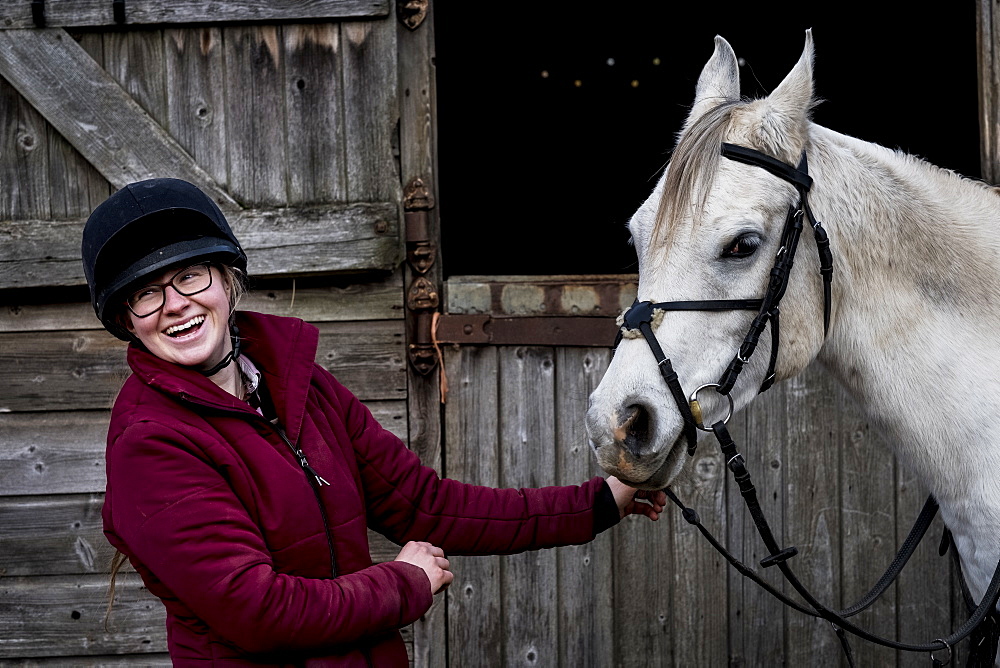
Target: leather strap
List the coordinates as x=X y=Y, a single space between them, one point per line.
x=797 y=177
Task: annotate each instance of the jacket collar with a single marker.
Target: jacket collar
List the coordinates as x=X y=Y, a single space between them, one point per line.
x=283 y=349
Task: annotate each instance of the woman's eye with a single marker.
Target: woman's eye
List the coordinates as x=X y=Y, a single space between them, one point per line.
x=744 y=245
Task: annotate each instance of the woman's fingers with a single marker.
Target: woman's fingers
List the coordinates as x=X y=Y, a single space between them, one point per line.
x=430 y=559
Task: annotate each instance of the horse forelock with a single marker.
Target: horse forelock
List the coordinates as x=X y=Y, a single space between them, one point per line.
x=691 y=171
x=696 y=158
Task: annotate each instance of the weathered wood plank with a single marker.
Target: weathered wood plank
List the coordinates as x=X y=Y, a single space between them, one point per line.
x=90 y=13
x=314 y=104
x=540 y=295
x=988 y=66
x=81 y=370
x=313 y=300
x=90 y=109
x=643 y=592
x=475 y=636
x=585 y=591
x=135 y=59
x=24 y=168
x=417 y=146
x=699 y=588
x=144 y=660
x=757 y=619
x=306 y=240
x=75 y=187
x=527 y=436
x=812 y=520
x=868 y=506
x=62 y=452
x=63 y=615
x=53 y=453
x=371 y=110
x=49 y=535
x=255 y=114
x=196 y=110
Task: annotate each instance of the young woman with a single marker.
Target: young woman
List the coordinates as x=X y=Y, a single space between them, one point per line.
x=242 y=477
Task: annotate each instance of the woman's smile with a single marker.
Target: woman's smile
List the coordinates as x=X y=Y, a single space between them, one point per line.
x=184 y=330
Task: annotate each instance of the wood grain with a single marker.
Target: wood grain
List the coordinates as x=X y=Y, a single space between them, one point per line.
x=475 y=632
x=307 y=240
x=92 y=13
x=92 y=111
x=529 y=581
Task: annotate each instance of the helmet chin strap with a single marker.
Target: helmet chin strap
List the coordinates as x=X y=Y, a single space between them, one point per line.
x=230 y=356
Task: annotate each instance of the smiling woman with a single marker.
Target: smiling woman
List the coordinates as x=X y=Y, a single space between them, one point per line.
x=242 y=476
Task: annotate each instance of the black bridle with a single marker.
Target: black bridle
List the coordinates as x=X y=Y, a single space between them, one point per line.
x=984 y=623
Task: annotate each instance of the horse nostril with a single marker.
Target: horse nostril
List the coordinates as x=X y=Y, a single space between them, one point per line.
x=633 y=428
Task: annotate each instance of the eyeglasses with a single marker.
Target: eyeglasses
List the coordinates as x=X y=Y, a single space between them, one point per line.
x=188 y=281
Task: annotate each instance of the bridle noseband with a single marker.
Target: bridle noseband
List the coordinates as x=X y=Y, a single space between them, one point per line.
x=641 y=316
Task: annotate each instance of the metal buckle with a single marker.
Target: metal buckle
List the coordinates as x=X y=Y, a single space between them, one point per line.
x=699 y=421
x=936 y=661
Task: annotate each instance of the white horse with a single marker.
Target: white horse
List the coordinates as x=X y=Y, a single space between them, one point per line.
x=915 y=327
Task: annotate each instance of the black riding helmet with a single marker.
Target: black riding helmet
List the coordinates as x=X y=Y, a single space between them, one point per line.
x=144 y=228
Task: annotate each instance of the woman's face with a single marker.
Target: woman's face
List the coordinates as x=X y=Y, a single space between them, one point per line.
x=191 y=331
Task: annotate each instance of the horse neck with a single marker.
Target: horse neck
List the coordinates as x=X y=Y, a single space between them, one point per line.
x=917 y=327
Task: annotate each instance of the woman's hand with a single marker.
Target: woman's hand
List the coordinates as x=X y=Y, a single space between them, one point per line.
x=632 y=501
x=431 y=560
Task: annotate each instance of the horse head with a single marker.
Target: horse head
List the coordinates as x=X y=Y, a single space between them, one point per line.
x=711 y=230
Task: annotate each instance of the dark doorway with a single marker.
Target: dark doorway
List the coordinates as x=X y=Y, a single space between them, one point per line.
x=554 y=120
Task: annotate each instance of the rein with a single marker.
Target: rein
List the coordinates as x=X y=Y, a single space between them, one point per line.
x=642 y=317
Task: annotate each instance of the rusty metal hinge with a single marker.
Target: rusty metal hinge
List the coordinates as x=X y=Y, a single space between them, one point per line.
x=411 y=13
x=422 y=300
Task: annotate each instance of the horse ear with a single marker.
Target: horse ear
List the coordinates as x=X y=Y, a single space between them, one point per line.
x=785 y=114
x=719 y=81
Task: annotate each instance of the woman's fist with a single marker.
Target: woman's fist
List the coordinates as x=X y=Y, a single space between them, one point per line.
x=431 y=560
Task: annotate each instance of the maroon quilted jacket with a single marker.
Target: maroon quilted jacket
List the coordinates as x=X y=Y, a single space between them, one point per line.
x=255 y=562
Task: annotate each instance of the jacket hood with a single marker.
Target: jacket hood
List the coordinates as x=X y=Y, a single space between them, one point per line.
x=286 y=364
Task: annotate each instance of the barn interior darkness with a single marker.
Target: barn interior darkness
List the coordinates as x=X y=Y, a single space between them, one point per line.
x=555 y=119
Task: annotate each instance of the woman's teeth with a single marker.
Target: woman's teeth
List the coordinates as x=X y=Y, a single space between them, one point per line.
x=183 y=327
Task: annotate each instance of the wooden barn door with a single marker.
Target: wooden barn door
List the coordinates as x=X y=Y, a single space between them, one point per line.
x=305 y=121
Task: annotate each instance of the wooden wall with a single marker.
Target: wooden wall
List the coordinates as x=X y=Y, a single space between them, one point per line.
x=292 y=127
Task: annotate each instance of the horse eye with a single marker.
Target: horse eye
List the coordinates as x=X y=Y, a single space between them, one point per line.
x=744 y=245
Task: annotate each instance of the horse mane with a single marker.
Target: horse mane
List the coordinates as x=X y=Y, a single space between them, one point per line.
x=691 y=171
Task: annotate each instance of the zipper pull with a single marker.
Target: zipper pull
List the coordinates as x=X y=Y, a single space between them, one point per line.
x=304 y=463
x=320 y=480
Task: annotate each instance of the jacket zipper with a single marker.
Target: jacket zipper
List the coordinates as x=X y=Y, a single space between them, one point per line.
x=315 y=482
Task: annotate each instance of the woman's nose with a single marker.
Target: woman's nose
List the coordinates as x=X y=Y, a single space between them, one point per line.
x=173 y=301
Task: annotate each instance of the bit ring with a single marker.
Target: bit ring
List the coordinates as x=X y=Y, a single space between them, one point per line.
x=699 y=420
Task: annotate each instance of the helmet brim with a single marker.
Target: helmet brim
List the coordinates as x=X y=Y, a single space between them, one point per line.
x=204 y=248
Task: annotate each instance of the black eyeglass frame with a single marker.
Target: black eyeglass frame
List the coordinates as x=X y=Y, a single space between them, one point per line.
x=163 y=289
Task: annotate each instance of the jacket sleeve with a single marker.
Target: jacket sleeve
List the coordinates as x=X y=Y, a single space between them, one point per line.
x=177 y=515
x=408 y=501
